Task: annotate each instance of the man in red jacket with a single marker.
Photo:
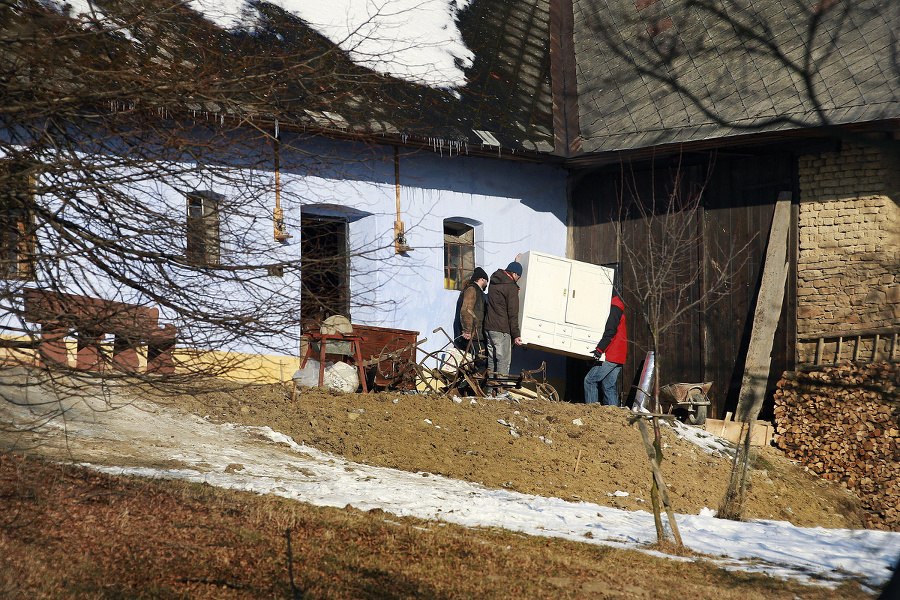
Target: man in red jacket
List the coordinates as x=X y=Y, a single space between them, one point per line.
x=610 y=353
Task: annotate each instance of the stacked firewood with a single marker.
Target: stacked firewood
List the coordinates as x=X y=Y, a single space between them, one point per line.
x=842 y=423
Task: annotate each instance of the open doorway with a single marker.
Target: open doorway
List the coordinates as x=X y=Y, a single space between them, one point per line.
x=324 y=268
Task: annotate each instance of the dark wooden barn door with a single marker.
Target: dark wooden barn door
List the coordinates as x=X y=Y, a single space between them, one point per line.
x=732 y=225
x=739 y=206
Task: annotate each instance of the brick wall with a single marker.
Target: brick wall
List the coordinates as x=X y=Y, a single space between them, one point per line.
x=849 y=234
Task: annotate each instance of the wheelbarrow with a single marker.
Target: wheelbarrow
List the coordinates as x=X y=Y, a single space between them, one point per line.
x=689 y=397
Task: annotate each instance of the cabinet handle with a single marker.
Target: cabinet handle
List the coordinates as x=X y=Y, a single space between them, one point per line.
x=564 y=291
x=573 y=293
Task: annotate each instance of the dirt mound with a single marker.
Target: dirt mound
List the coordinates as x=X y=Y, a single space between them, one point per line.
x=571 y=451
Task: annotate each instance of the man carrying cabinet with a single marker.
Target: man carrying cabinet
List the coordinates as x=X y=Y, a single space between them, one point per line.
x=501 y=321
x=610 y=354
x=470 y=315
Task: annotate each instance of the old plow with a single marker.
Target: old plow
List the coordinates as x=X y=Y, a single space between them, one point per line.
x=402 y=365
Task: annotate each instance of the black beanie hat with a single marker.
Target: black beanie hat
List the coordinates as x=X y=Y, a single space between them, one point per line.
x=478 y=273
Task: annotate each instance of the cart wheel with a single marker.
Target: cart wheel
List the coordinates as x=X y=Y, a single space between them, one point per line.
x=391 y=366
x=440 y=370
x=547 y=391
x=700 y=417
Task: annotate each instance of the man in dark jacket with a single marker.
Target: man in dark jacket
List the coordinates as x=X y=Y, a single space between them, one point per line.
x=610 y=352
x=470 y=310
x=501 y=322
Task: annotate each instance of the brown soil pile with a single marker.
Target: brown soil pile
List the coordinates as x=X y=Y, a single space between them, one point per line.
x=571 y=451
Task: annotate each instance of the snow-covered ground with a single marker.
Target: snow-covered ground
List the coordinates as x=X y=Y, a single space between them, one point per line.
x=265 y=461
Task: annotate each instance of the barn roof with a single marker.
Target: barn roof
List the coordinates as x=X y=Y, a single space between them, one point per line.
x=654 y=72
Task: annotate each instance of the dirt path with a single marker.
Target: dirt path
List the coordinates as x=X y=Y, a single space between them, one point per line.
x=530 y=446
x=570 y=451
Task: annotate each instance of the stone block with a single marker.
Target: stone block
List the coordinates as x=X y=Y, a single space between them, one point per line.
x=809 y=311
x=876 y=297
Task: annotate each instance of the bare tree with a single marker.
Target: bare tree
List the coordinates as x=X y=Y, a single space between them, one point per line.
x=670 y=276
x=137 y=150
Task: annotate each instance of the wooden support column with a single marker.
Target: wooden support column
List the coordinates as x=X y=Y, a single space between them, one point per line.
x=768 y=311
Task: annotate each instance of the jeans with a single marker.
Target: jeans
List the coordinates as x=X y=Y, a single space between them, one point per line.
x=607 y=375
x=499 y=351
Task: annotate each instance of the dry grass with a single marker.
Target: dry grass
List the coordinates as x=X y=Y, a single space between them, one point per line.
x=71 y=533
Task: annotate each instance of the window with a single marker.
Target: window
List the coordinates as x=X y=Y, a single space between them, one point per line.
x=459 y=254
x=202 y=228
x=16 y=226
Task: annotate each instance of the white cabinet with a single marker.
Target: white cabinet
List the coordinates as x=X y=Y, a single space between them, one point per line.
x=563 y=303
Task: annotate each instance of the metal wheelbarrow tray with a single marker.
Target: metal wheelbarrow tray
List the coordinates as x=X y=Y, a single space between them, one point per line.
x=692 y=397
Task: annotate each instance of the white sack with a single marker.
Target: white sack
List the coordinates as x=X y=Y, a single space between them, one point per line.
x=341 y=377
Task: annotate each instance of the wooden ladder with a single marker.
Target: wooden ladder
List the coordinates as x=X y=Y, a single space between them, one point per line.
x=892 y=334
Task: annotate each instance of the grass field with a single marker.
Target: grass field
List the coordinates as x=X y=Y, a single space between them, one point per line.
x=67 y=532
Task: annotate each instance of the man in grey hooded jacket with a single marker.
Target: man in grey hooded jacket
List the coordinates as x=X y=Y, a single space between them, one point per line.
x=501 y=321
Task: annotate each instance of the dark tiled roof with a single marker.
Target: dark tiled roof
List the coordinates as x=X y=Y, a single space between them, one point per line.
x=507 y=101
x=654 y=72
x=508 y=93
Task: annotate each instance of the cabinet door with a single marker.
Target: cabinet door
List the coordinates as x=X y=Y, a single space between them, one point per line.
x=546 y=288
x=590 y=290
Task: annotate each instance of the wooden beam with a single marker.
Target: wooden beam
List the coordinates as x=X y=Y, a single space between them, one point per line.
x=767 y=314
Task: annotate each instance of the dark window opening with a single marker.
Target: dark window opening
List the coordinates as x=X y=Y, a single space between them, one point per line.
x=324 y=268
x=16 y=227
x=202 y=229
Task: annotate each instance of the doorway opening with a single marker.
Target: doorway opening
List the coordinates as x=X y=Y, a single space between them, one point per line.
x=324 y=269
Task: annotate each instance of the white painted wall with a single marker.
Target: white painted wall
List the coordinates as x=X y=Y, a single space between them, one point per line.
x=520 y=207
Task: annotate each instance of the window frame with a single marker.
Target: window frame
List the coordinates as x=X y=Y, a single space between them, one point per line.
x=456 y=275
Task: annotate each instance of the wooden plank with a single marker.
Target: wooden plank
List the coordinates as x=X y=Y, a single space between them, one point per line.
x=767 y=314
x=731 y=431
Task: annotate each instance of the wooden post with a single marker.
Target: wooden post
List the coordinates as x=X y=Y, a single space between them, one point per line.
x=658 y=489
x=767 y=313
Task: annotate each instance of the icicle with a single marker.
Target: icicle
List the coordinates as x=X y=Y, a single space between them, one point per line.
x=276 y=129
